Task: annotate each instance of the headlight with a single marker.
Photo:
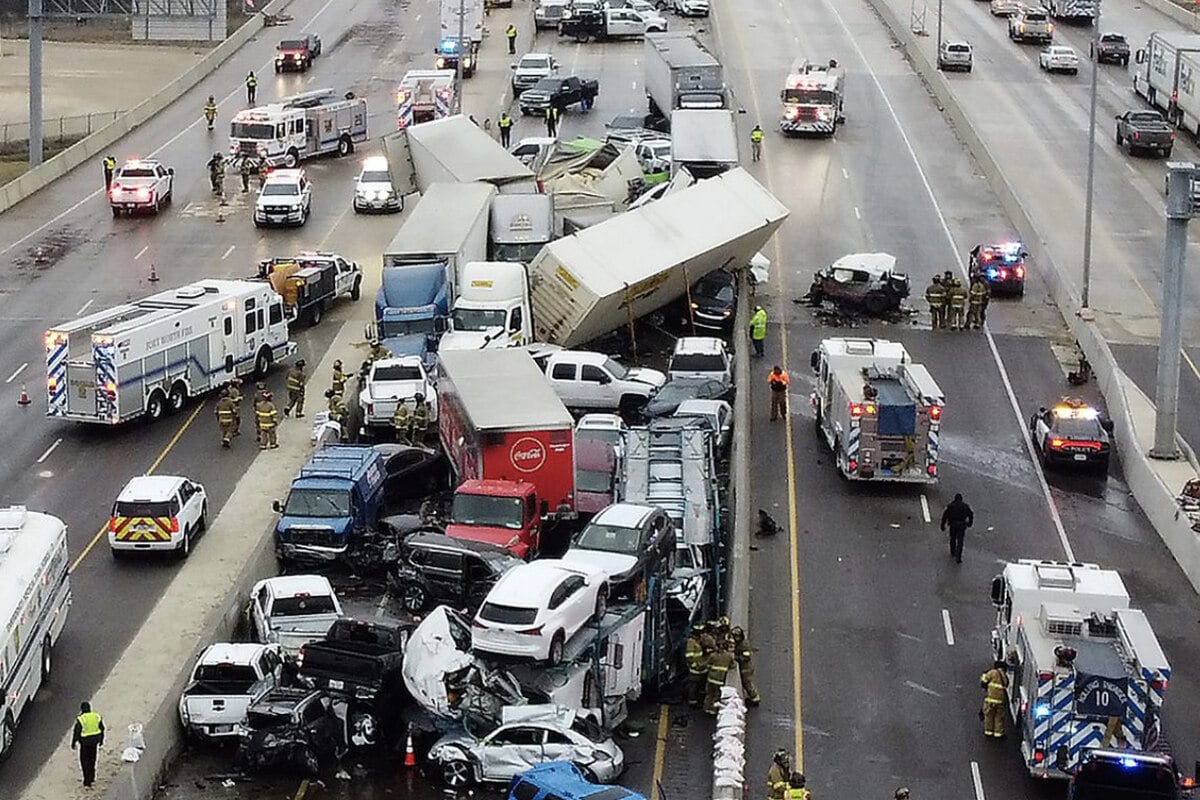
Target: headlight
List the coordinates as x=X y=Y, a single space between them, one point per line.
x=297 y=207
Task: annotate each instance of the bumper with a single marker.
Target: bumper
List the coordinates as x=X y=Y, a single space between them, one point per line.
x=278 y=217
x=608 y=771
x=1006 y=285
x=226 y=732
x=376 y=204
x=499 y=643
x=291 y=65
x=693 y=11
x=126 y=545
x=954 y=64
x=1073 y=459
x=712 y=323
x=315 y=554
x=536 y=109
x=910 y=476
x=1112 y=57
x=1062 y=66
x=821 y=126
x=132 y=205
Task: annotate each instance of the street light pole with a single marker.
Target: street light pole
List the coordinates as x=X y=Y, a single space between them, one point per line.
x=36 y=21
x=458 y=68
x=1085 y=311
x=939 y=29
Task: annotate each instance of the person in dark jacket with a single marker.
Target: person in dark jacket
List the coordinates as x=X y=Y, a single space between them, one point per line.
x=87 y=736
x=958 y=516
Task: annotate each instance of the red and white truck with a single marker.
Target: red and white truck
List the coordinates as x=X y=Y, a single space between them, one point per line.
x=511 y=442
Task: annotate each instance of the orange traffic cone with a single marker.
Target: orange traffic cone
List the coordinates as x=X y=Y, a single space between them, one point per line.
x=410 y=758
x=153 y=274
x=24 y=399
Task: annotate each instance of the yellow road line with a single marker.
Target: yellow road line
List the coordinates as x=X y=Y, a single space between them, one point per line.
x=153 y=466
x=793 y=526
x=303 y=790
x=660 y=749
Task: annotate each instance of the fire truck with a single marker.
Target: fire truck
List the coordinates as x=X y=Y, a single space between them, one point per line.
x=812 y=98
x=298 y=127
x=1085 y=670
x=878 y=412
x=424 y=95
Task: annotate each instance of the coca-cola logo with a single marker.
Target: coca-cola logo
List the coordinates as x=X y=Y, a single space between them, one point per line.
x=527 y=454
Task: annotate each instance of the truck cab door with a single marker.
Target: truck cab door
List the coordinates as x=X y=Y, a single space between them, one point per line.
x=254 y=330
x=596 y=385
x=344 y=281
x=260 y=606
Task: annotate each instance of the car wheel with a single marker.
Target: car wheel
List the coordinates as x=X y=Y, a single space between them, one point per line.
x=314 y=316
x=47 y=661
x=185 y=547
x=1118 y=139
x=356 y=290
x=414 y=598
x=601 y=605
x=178 y=397
x=557 y=646
x=118 y=555
x=457 y=773
x=8 y=734
x=156 y=406
x=291 y=159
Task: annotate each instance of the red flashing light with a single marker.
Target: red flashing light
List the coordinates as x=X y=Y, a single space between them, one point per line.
x=932 y=470
x=112 y=524
x=935 y=412
x=987 y=255
x=1045 y=676
x=1188 y=783
x=1159 y=685
x=1019 y=272
x=1039 y=756
x=174 y=524
x=853 y=465
x=1056 y=444
x=856 y=410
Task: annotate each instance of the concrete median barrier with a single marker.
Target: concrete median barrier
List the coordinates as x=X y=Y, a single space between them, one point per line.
x=91 y=146
x=1155 y=484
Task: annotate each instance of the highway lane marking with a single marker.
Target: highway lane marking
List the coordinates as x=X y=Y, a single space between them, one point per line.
x=920 y=688
x=17 y=372
x=49 y=450
x=977 y=780
x=227 y=252
x=141 y=252
x=925 y=509
x=845 y=174
x=84 y=307
x=660 y=748
x=949 y=628
x=1055 y=517
x=53 y=220
x=150 y=471
x=1129 y=167
x=857 y=213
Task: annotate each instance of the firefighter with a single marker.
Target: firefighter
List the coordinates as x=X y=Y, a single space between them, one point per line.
x=506 y=124
x=246 y=171
x=251 y=87
x=935 y=295
x=978 y=299
x=263 y=171
x=402 y=423
x=743 y=653
x=260 y=392
x=958 y=305
x=957 y=516
x=778 y=380
x=756 y=140
x=420 y=421
x=296 y=379
x=339 y=379
x=216 y=173
x=696 y=656
x=758 y=330
x=995 y=683
x=511 y=34
x=89 y=735
x=552 y=120
x=226 y=413
x=210 y=111
x=337 y=407
x=718 y=667
x=110 y=166
x=721 y=632
x=796 y=790
x=267 y=417
x=902 y=793
x=378 y=351
x=235 y=394
x=777 y=775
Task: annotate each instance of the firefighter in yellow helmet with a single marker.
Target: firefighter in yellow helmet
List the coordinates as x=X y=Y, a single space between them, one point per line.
x=697 y=653
x=235 y=394
x=296 y=380
x=267 y=417
x=402 y=423
x=339 y=378
x=420 y=421
x=958 y=305
x=995 y=685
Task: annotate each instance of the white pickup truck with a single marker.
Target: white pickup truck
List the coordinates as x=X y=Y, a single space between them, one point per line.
x=227 y=678
x=593 y=381
x=293 y=610
x=392 y=381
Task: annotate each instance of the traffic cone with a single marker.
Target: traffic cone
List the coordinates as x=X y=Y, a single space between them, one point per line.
x=153 y=274
x=410 y=758
x=24 y=399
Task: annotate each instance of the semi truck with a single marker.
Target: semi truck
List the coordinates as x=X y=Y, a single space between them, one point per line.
x=1071 y=9
x=422 y=266
x=703 y=141
x=492 y=309
x=1166 y=73
x=298 y=127
x=1085 y=670
x=460 y=18
x=877 y=411
x=510 y=441
x=149 y=356
x=520 y=225
x=452 y=150
x=681 y=73
x=598 y=279
x=424 y=95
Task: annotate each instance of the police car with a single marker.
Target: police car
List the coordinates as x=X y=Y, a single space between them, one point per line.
x=1001 y=265
x=1072 y=433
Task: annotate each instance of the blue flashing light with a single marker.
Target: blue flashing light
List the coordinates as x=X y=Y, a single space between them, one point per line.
x=1041 y=710
x=1129 y=763
x=448 y=45
x=993 y=273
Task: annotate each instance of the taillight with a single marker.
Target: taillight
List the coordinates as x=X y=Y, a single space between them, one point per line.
x=1137 y=135
x=852 y=464
x=1039 y=756
x=1019 y=272
x=112 y=524
x=1056 y=444
x=935 y=412
x=1159 y=685
x=932 y=470
x=1045 y=676
x=174 y=524
x=859 y=409
x=532 y=631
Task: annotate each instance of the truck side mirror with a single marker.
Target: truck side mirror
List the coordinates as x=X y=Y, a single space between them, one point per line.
x=998 y=591
x=815 y=360
x=1140 y=57
x=277 y=506
x=512 y=66
x=1107 y=424
x=170 y=170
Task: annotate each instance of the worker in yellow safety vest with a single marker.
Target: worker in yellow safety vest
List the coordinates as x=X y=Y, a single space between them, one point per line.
x=756 y=140
x=88 y=736
x=796 y=789
x=995 y=684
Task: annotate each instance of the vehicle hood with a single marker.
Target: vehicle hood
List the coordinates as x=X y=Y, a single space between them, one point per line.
x=365 y=187
x=614 y=565
x=504 y=537
x=473 y=340
x=650 y=377
x=430 y=657
x=410 y=344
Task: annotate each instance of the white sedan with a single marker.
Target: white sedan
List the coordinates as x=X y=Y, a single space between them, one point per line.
x=535 y=609
x=1059 y=58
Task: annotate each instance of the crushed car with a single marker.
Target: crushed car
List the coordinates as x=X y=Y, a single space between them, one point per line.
x=290 y=729
x=861 y=281
x=436 y=569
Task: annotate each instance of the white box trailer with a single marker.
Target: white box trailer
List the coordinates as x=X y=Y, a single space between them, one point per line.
x=703 y=141
x=471 y=14
x=449 y=226
x=149 y=356
x=452 y=150
x=681 y=73
x=597 y=280
x=1166 y=72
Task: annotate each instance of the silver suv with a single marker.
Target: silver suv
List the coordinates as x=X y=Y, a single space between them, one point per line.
x=1030 y=25
x=530 y=69
x=955 y=55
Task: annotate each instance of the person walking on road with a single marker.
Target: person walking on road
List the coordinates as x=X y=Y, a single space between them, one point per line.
x=977 y=297
x=88 y=736
x=552 y=120
x=935 y=295
x=756 y=140
x=958 y=516
x=225 y=416
x=296 y=379
x=511 y=34
x=778 y=775
x=210 y=111
x=995 y=684
x=902 y=793
x=506 y=124
x=235 y=394
x=758 y=330
x=110 y=166
x=251 y=87
x=779 y=381
x=267 y=417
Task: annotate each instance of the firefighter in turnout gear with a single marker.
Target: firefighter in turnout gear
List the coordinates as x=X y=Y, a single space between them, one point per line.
x=696 y=654
x=226 y=413
x=420 y=421
x=378 y=351
x=718 y=667
x=402 y=423
x=778 y=774
x=935 y=295
x=958 y=305
x=235 y=394
x=296 y=379
x=260 y=392
x=266 y=416
x=246 y=171
x=978 y=300
x=210 y=111
x=339 y=378
x=995 y=684
x=337 y=407
x=743 y=653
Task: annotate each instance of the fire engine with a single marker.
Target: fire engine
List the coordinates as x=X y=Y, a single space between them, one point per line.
x=424 y=95
x=298 y=127
x=812 y=98
x=1084 y=669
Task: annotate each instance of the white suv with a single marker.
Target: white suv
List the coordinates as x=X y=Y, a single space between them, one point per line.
x=284 y=199
x=158 y=512
x=374 y=190
x=701 y=357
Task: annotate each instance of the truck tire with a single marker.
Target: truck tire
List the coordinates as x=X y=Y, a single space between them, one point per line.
x=47 y=660
x=356 y=290
x=177 y=398
x=156 y=406
x=291 y=159
x=8 y=735
x=262 y=363
x=314 y=314
x=345 y=146
x=1120 y=142
x=875 y=303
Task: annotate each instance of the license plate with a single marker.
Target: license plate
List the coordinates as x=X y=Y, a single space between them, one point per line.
x=335 y=684
x=1080 y=457
x=222 y=728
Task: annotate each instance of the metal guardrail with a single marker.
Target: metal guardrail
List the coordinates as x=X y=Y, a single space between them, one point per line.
x=65 y=127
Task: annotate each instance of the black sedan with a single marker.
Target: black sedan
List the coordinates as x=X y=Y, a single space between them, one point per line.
x=674 y=392
x=713 y=300
x=1073 y=434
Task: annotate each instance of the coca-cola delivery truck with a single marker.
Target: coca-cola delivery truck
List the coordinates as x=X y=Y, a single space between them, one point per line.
x=511 y=443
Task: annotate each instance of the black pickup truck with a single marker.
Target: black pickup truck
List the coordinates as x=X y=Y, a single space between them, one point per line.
x=1112 y=48
x=1140 y=129
x=560 y=93
x=359 y=659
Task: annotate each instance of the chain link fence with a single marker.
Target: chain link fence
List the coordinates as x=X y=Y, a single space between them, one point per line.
x=15 y=135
